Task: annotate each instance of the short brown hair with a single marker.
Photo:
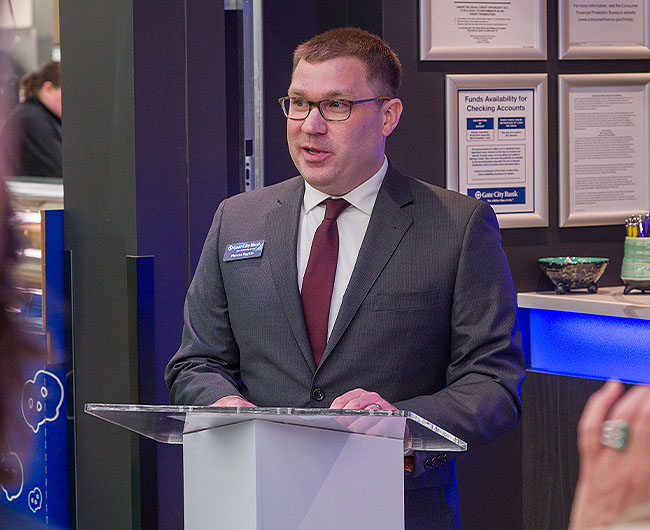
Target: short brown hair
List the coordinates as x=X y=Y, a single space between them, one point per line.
x=383 y=69
x=32 y=82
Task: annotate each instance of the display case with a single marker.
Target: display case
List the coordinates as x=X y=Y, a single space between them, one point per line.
x=40 y=447
x=30 y=197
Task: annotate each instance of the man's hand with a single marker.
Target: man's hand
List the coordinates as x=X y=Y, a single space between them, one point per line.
x=361 y=399
x=613 y=483
x=232 y=401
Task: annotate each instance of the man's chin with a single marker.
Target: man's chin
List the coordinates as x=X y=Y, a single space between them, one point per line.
x=320 y=180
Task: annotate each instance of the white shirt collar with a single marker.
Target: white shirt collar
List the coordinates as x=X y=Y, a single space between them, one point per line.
x=362 y=197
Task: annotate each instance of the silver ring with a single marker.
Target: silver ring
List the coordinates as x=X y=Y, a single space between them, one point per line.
x=379 y=407
x=614 y=434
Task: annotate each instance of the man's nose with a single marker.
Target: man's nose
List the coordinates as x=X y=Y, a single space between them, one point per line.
x=314 y=123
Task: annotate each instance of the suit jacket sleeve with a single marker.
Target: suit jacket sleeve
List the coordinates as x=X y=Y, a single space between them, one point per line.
x=206 y=366
x=481 y=399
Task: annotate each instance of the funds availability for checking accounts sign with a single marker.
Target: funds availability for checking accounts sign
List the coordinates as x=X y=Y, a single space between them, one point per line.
x=496 y=147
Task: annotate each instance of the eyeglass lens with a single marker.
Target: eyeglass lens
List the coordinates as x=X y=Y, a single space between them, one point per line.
x=331 y=109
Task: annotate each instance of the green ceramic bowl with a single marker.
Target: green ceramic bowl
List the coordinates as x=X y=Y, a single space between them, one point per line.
x=569 y=272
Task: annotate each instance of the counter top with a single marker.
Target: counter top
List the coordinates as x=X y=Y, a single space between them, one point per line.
x=43 y=190
x=608 y=301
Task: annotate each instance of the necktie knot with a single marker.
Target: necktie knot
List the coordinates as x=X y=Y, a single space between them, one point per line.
x=334 y=207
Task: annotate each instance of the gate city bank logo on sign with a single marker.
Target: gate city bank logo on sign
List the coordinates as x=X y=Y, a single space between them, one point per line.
x=499 y=195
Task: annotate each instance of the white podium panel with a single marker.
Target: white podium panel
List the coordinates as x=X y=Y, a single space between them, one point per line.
x=261 y=475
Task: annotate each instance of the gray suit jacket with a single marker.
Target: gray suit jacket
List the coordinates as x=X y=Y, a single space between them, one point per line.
x=428 y=319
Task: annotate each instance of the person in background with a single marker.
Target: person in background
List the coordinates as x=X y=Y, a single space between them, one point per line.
x=30 y=142
x=613 y=489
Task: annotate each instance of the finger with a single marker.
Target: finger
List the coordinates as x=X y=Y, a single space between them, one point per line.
x=640 y=440
x=626 y=410
x=365 y=400
x=638 y=401
x=644 y=418
x=593 y=416
x=341 y=401
x=629 y=405
x=370 y=401
x=232 y=401
x=374 y=406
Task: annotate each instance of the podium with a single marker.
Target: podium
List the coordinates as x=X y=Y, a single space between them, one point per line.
x=287 y=468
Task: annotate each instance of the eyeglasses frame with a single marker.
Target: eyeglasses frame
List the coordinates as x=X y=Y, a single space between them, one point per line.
x=317 y=104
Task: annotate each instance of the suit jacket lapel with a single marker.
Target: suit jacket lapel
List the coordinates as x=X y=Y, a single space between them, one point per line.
x=387 y=226
x=281 y=238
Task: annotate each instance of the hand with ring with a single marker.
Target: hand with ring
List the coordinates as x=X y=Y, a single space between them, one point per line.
x=361 y=399
x=614 y=447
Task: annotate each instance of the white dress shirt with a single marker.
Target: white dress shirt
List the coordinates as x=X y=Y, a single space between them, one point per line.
x=352 y=225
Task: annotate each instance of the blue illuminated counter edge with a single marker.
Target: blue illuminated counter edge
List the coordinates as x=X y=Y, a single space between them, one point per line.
x=605 y=335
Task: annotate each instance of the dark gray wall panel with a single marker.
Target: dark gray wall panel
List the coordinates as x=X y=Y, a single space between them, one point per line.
x=98 y=164
x=144 y=165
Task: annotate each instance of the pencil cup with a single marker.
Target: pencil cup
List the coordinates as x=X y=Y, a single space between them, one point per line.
x=635 y=271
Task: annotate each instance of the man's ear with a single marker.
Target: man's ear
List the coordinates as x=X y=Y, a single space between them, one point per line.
x=392 y=110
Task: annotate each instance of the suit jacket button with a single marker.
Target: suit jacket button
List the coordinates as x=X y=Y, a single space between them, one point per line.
x=318 y=394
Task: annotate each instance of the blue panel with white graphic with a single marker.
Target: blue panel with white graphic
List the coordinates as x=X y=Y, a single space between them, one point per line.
x=512 y=122
x=480 y=123
x=499 y=195
x=37 y=450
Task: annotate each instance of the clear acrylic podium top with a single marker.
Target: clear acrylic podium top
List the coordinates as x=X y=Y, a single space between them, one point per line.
x=168 y=424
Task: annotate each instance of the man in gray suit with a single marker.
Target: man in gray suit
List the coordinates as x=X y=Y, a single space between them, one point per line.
x=421 y=309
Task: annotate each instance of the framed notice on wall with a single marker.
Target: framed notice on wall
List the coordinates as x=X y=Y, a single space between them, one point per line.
x=497 y=144
x=606 y=29
x=460 y=30
x=604 y=135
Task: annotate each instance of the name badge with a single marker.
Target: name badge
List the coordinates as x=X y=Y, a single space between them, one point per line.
x=243 y=250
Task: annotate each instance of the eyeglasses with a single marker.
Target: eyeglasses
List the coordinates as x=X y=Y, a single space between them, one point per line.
x=330 y=109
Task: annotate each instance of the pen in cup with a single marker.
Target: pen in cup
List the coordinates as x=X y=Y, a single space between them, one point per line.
x=638 y=225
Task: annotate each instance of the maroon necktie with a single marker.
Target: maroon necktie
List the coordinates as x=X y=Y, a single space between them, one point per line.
x=318 y=281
